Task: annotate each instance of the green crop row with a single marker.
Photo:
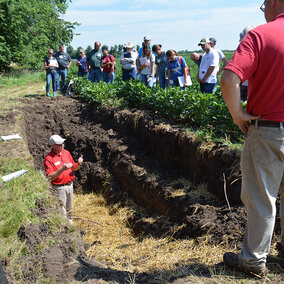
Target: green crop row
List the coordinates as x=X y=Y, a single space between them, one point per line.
x=189 y=108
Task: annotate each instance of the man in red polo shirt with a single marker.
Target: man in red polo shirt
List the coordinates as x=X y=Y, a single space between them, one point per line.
x=59 y=166
x=260 y=59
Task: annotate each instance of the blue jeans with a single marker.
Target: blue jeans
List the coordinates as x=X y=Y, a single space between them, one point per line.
x=49 y=77
x=176 y=84
x=127 y=74
x=82 y=73
x=63 y=74
x=207 y=88
x=163 y=82
x=143 y=78
x=95 y=75
x=106 y=79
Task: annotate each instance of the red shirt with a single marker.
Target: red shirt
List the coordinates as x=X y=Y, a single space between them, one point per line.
x=107 y=59
x=260 y=59
x=55 y=161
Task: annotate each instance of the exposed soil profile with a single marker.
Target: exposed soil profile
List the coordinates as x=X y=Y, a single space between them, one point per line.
x=152 y=162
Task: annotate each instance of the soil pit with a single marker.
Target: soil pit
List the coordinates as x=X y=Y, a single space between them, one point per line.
x=171 y=186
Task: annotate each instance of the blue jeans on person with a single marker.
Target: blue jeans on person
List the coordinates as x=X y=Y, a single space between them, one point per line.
x=127 y=74
x=175 y=83
x=143 y=78
x=106 y=79
x=63 y=74
x=163 y=82
x=207 y=88
x=49 y=77
x=82 y=73
x=95 y=75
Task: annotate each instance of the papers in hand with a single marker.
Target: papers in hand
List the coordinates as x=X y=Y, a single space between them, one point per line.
x=13 y=175
x=181 y=81
x=11 y=137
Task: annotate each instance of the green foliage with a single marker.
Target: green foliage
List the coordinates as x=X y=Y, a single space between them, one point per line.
x=29 y=28
x=189 y=107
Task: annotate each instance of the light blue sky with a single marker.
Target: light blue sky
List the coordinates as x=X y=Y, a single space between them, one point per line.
x=174 y=24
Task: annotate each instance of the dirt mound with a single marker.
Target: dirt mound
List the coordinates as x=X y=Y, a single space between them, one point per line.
x=157 y=165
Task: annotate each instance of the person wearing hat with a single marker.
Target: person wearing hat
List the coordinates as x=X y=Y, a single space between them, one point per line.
x=209 y=66
x=222 y=57
x=146 y=41
x=108 y=65
x=59 y=168
x=94 y=63
x=128 y=61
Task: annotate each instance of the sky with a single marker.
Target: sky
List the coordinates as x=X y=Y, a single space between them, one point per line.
x=178 y=25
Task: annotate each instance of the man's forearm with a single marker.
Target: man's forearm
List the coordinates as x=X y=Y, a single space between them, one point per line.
x=230 y=85
x=53 y=176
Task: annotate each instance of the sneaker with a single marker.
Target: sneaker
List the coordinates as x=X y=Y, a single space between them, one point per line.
x=71 y=221
x=54 y=94
x=232 y=260
x=48 y=95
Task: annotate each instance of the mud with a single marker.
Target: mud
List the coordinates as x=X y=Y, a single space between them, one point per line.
x=131 y=154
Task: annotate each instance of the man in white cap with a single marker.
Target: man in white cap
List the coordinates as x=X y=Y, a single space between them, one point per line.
x=128 y=62
x=59 y=168
x=147 y=41
x=209 y=66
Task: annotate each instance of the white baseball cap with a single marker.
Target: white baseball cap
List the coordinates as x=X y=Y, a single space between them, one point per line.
x=56 y=139
x=147 y=37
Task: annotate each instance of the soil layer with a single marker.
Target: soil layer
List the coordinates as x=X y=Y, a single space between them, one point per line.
x=129 y=154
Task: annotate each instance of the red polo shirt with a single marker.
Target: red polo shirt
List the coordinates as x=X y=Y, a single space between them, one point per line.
x=260 y=59
x=107 y=59
x=55 y=161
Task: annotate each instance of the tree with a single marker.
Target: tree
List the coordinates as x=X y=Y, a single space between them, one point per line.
x=88 y=49
x=29 y=28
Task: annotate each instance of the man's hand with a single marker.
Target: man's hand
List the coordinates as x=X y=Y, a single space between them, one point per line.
x=230 y=86
x=242 y=120
x=80 y=160
x=67 y=166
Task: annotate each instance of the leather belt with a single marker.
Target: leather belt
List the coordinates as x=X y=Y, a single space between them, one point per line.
x=266 y=123
x=66 y=184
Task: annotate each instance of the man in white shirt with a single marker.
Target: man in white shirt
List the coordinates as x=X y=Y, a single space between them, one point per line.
x=222 y=57
x=209 y=66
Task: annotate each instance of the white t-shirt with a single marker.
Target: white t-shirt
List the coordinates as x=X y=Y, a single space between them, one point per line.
x=209 y=59
x=147 y=70
x=221 y=55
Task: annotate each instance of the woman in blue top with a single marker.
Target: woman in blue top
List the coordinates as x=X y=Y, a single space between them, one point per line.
x=82 y=64
x=176 y=68
x=162 y=65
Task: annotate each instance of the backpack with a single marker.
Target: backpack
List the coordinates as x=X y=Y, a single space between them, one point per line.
x=186 y=67
x=114 y=62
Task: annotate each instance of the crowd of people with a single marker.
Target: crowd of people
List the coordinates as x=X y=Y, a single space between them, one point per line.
x=151 y=65
x=258 y=59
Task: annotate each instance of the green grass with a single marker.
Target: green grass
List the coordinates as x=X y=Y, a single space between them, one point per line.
x=19 y=195
x=21 y=78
